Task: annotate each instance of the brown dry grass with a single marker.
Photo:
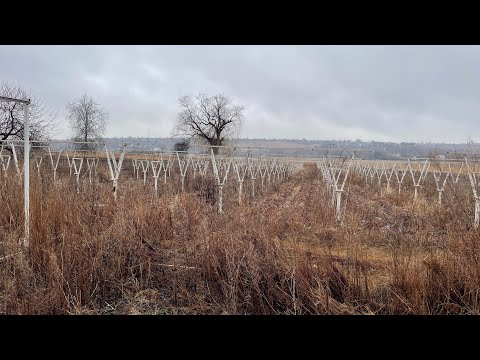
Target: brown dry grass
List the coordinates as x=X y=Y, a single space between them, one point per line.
x=281 y=252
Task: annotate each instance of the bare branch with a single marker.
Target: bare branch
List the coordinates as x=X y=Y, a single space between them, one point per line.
x=43 y=123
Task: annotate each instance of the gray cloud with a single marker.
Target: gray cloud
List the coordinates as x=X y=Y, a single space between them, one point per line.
x=398 y=93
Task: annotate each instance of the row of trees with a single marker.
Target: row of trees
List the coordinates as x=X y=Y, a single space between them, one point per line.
x=212 y=120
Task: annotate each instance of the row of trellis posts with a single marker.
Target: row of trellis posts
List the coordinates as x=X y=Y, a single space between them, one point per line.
x=335 y=173
x=269 y=170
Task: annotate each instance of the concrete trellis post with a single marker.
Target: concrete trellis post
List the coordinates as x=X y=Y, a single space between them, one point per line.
x=416 y=183
x=284 y=171
x=70 y=163
x=220 y=183
x=202 y=169
x=115 y=169
x=388 y=175
x=138 y=163
x=156 y=169
x=473 y=184
x=253 y=172
x=170 y=162
x=368 y=169
x=77 y=169
x=54 y=164
x=195 y=167
x=26 y=169
x=380 y=173
x=270 y=169
x=426 y=170
x=262 y=168
x=373 y=172
x=400 y=179
x=91 y=165
x=136 y=167
x=38 y=163
x=279 y=170
x=145 y=165
x=456 y=178
x=241 y=171
x=440 y=188
x=332 y=175
x=183 y=165
x=275 y=171
x=5 y=160
x=165 y=168
x=321 y=165
x=95 y=165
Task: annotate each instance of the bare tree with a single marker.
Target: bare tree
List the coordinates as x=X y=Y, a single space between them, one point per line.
x=43 y=123
x=211 y=119
x=87 y=118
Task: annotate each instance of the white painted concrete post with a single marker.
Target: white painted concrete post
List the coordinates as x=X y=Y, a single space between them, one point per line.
x=339 y=202
x=115 y=170
x=416 y=184
x=145 y=170
x=221 y=183
x=156 y=168
x=240 y=191
x=26 y=171
x=55 y=165
x=38 y=164
x=77 y=171
x=441 y=188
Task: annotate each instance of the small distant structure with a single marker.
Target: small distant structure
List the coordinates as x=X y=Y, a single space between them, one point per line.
x=440 y=157
x=182 y=145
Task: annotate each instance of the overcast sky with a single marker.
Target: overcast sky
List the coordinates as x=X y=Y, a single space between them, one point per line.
x=384 y=93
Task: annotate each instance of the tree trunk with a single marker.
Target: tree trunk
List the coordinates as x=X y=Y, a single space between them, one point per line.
x=215 y=142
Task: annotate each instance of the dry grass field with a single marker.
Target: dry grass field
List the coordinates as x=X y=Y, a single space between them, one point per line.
x=279 y=252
